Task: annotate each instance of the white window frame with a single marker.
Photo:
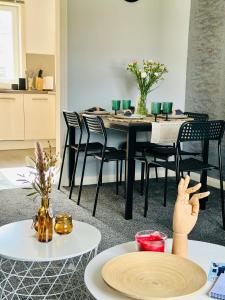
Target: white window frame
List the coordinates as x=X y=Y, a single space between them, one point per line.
x=20 y=31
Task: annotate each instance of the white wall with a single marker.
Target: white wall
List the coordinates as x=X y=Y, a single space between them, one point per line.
x=173 y=47
x=103 y=36
x=40 y=26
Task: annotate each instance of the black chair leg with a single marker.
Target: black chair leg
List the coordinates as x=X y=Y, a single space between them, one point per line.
x=222 y=199
x=73 y=176
x=142 y=178
x=125 y=177
x=221 y=190
x=82 y=178
x=146 y=190
x=165 y=187
x=64 y=153
x=100 y=182
x=121 y=172
x=97 y=188
x=156 y=171
x=117 y=177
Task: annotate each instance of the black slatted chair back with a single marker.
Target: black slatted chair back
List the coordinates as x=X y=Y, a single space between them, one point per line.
x=72 y=119
x=197 y=116
x=94 y=124
x=201 y=130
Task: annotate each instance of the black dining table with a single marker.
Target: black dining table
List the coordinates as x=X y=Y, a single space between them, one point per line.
x=131 y=128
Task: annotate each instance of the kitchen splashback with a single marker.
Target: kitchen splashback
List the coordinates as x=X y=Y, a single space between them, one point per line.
x=35 y=62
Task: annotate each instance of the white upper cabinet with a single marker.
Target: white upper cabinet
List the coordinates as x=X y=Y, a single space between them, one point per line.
x=11 y=117
x=40 y=26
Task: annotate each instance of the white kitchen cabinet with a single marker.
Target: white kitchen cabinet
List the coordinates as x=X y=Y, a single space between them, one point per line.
x=39 y=115
x=11 y=117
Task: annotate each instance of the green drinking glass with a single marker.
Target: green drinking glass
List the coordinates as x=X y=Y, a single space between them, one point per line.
x=167 y=108
x=156 y=109
x=126 y=104
x=116 y=105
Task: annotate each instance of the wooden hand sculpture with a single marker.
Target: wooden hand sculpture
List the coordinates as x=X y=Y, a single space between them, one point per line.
x=185 y=215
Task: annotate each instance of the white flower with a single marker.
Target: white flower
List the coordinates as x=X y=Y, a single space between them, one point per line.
x=150 y=61
x=156 y=74
x=143 y=75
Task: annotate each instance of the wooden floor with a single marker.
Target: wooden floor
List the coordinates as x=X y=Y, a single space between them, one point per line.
x=14 y=158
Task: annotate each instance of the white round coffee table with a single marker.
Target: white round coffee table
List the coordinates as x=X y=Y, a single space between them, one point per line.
x=33 y=270
x=199 y=252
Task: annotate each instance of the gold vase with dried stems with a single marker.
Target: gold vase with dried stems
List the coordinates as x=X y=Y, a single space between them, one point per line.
x=44 y=165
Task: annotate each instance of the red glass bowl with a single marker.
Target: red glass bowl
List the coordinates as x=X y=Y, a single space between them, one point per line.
x=150 y=240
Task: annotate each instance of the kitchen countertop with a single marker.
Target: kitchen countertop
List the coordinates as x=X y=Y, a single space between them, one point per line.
x=26 y=92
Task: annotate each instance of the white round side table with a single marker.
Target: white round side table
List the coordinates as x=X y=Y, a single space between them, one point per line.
x=30 y=269
x=199 y=252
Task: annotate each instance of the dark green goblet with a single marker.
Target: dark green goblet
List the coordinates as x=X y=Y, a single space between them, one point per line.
x=167 y=108
x=116 y=105
x=156 y=109
x=126 y=104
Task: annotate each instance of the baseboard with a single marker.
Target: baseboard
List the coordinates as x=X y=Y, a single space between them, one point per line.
x=14 y=145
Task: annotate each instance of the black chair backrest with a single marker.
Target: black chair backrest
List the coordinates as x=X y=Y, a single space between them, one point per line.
x=94 y=124
x=197 y=116
x=72 y=119
x=201 y=130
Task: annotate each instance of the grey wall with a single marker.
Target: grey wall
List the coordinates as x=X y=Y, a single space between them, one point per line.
x=205 y=89
x=104 y=35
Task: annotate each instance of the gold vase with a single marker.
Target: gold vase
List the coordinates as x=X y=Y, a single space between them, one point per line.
x=45 y=222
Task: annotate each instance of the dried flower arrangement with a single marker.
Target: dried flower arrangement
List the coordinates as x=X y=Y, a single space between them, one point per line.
x=42 y=177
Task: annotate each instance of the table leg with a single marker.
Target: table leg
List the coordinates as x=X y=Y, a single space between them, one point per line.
x=204 y=174
x=71 y=160
x=130 y=172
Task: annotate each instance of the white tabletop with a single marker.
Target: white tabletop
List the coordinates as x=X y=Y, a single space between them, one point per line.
x=18 y=241
x=199 y=252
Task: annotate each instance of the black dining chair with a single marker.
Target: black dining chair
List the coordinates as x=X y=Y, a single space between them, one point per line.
x=164 y=152
x=73 y=122
x=95 y=125
x=191 y=132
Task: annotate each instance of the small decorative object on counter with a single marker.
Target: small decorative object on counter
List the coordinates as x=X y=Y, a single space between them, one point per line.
x=41 y=180
x=39 y=81
x=14 y=86
x=63 y=223
x=150 y=240
x=22 y=83
x=146 y=75
x=30 y=83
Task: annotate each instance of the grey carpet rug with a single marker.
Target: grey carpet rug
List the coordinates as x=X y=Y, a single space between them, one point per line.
x=109 y=218
x=110 y=212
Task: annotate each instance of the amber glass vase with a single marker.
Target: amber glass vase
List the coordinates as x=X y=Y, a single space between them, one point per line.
x=45 y=222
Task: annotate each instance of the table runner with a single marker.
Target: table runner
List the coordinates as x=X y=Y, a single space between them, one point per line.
x=165 y=132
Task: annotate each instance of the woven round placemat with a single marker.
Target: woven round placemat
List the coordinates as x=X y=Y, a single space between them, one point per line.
x=153 y=275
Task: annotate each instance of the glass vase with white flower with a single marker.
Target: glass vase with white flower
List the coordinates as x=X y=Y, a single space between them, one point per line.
x=146 y=75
